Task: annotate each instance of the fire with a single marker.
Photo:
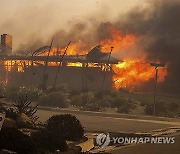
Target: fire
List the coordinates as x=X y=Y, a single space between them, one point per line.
x=127 y=74
x=119 y=41
x=76 y=48
x=75 y=64
x=73 y=49
x=16 y=65
x=131 y=73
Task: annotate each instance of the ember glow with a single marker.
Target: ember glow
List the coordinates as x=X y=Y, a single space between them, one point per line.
x=16 y=65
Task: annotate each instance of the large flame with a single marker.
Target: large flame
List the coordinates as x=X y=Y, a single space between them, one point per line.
x=119 y=41
x=130 y=73
x=127 y=74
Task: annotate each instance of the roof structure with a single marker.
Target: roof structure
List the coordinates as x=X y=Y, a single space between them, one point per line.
x=94 y=56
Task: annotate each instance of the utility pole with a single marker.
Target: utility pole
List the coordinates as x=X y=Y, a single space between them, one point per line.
x=45 y=75
x=47 y=57
x=156 y=66
x=106 y=70
x=60 y=65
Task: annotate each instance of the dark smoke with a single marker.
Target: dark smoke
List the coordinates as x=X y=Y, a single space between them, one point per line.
x=158 y=25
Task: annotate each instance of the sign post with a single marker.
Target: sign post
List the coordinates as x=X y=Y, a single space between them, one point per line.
x=156 y=66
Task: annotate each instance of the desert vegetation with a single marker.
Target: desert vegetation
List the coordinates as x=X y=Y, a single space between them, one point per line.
x=24 y=134
x=30 y=136
x=122 y=101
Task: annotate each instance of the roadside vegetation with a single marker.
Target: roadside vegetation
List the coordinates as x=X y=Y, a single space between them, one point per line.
x=121 y=101
x=32 y=137
x=24 y=134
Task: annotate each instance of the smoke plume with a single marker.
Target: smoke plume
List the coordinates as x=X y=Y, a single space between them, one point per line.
x=160 y=27
x=157 y=26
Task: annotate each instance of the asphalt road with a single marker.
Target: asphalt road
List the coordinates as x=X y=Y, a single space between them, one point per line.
x=107 y=123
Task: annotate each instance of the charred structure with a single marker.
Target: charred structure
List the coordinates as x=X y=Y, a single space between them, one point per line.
x=77 y=71
x=6 y=44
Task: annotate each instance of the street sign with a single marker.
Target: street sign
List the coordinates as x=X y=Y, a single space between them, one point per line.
x=2 y=117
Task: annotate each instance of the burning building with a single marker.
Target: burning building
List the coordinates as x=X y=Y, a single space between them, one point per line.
x=95 y=70
x=92 y=71
x=141 y=36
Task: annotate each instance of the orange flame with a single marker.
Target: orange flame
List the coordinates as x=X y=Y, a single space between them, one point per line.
x=73 y=49
x=119 y=41
x=130 y=73
x=127 y=74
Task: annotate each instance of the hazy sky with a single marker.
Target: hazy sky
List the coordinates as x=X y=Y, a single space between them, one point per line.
x=25 y=18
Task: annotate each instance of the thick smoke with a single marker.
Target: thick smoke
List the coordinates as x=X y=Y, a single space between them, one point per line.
x=157 y=26
x=33 y=23
x=160 y=26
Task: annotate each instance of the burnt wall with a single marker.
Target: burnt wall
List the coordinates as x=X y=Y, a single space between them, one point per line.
x=77 y=78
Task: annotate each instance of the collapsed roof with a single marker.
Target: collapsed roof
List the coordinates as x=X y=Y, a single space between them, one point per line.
x=94 y=56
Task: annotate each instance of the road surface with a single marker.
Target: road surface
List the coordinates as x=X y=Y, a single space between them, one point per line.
x=106 y=123
x=151 y=148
